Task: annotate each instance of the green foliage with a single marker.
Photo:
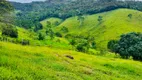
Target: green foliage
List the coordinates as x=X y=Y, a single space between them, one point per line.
x=82 y=47
x=58 y=34
x=129 y=45
x=111 y=28
x=25 y=42
x=5 y=7
x=19 y=62
x=64 y=29
x=82 y=44
x=41 y=36
x=130 y=16
x=10 y=30
x=100 y=18
x=112 y=44
x=51 y=34
x=38 y=26
x=81 y=20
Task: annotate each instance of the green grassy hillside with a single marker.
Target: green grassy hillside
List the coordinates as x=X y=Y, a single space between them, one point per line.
x=113 y=24
x=42 y=63
x=54 y=21
x=24 y=34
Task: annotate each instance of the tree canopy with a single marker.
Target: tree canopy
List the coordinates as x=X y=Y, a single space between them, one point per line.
x=129 y=45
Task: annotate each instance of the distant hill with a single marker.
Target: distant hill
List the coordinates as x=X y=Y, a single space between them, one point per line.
x=113 y=24
x=28 y=14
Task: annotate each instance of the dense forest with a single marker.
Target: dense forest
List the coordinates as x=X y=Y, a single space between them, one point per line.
x=29 y=14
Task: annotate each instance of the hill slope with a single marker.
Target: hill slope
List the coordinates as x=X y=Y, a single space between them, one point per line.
x=113 y=24
x=42 y=63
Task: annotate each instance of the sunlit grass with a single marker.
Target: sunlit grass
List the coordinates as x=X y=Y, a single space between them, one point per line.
x=114 y=24
x=34 y=63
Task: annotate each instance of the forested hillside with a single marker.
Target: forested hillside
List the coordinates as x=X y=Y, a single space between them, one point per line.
x=103 y=26
x=29 y=14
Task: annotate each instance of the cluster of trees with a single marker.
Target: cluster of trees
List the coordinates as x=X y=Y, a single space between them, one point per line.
x=129 y=45
x=5 y=10
x=29 y=14
x=10 y=31
x=83 y=44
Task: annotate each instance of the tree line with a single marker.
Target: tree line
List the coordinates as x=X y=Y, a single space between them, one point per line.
x=29 y=14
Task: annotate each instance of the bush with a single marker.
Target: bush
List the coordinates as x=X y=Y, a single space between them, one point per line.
x=130 y=16
x=83 y=47
x=68 y=36
x=25 y=42
x=64 y=29
x=129 y=45
x=41 y=36
x=58 y=34
x=10 y=31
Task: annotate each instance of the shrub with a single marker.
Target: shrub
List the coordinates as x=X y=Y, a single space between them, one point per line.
x=25 y=42
x=64 y=29
x=82 y=48
x=68 y=36
x=58 y=34
x=10 y=31
x=41 y=36
x=100 y=18
x=130 y=16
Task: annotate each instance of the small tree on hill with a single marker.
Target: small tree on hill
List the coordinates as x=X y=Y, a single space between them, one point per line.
x=64 y=29
x=41 y=36
x=81 y=20
x=130 y=16
x=100 y=18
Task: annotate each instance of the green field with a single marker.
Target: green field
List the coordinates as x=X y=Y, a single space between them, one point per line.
x=42 y=63
x=49 y=59
x=114 y=23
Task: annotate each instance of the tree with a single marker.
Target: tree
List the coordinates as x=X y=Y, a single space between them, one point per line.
x=41 y=36
x=58 y=34
x=38 y=26
x=81 y=20
x=5 y=7
x=100 y=18
x=51 y=34
x=130 y=16
x=73 y=43
x=64 y=29
x=10 y=31
x=111 y=45
x=129 y=45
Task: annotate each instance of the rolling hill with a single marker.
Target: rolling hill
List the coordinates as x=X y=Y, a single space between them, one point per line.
x=19 y=62
x=114 y=23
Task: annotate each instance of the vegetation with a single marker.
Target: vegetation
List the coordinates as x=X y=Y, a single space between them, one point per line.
x=33 y=62
x=129 y=45
x=9 y=30
x=29 y=14
x=38 y=40
x=110 y=28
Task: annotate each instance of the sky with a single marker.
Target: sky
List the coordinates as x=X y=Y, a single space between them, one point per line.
x=25 y=1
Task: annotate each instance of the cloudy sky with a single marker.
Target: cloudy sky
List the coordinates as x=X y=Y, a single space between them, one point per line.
x=25 y=1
